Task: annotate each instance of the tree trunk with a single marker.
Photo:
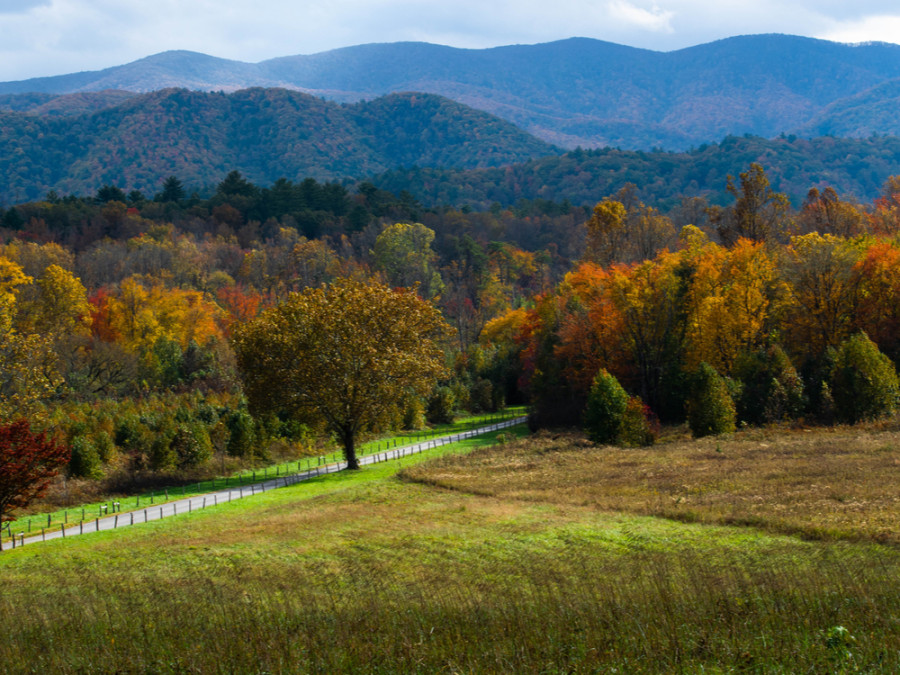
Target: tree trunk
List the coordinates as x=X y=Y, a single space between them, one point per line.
x=349 y=439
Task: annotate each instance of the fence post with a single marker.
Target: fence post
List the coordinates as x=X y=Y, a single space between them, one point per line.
x=132 y=517
x=43 y=534
x=62 y=528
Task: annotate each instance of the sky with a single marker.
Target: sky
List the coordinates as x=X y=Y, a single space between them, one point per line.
x=54 y=37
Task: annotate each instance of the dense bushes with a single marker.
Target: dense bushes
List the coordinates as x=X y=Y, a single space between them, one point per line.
x=613 y=417
x=710 y=408
x=441 y=406
x=638 y=427
x=771 y=389
x=85 y=460
x=863 y=381
x=606 y=405
x=163 y=433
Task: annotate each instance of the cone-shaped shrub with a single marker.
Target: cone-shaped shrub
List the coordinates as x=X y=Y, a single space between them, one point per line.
x=638 y=427
x=606 y=404
x=863 y=381
x=710 y=408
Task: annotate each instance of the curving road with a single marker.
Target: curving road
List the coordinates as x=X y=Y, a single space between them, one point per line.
x=196 y=502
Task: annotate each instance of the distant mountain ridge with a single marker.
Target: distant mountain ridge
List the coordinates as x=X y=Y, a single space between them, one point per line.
x=137 y=141
x=572 y=92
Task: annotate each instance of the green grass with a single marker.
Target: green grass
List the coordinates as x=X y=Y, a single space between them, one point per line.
x=32 y=523
x=361 y=572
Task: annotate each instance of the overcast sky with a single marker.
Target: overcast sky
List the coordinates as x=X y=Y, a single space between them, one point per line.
x=52 y=37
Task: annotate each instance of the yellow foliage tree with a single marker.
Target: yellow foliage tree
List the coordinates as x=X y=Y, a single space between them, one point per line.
x=345 y=355
x=733 y=305
x=824 y=291
x=142 y=315
x=27 y=361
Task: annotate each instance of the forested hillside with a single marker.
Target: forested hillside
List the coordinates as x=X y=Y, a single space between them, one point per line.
x=266 y=133
x=856 y=168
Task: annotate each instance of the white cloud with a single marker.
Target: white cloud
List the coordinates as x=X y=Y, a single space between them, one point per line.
x=885 y=28
x=654 y=19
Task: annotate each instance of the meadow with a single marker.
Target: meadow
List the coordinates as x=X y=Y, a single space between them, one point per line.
x=525 y=555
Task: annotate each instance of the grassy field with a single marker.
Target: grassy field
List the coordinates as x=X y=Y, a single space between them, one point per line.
x=39 y=516
x=841 y=483
x=368 y=573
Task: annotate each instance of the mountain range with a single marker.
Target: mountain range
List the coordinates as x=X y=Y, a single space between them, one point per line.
x=575 y=92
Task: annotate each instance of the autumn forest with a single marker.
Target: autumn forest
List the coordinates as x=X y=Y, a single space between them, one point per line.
x=119 y=310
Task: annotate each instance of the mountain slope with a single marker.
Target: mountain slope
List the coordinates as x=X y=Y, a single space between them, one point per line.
x=571 y=92
x=264 y=133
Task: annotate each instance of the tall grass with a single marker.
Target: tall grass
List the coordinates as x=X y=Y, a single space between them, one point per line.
x=645 y=611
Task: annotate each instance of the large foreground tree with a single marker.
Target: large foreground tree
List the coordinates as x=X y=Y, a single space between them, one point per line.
x=346 y=354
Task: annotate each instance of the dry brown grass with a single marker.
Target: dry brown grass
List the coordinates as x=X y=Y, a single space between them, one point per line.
x=841 y=483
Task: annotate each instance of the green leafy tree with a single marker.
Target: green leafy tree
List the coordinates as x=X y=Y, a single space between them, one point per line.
x=863 y=381
x=85 y=460
x=441 y=406
x=192 y=445
x=345 y=355
x=403 y=252
x=606 y=405
x=711 y=409
x=771 y=389
x=241 y=434
x=413 y=414
x=638 y=428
